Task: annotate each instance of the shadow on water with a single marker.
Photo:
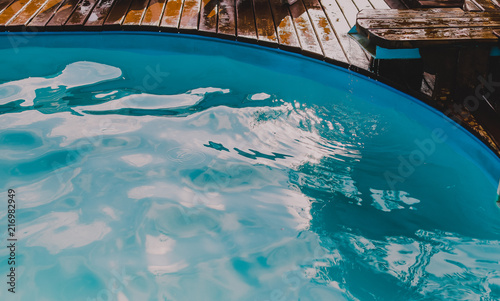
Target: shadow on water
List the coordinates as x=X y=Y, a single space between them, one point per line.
x=417 y=243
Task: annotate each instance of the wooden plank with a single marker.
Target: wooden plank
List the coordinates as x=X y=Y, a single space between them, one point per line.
x=465 y=22
x=264 y=22
x=152 y=16
x=11 y=11
x=355 y=54
x=471 y=6
x=287 y=36
x=172 y=14
x=245 y=19
x=305 y=32
x=190 y=15
x=63 y=13
x=81 y=13
x=4 y=4
x=329 y=42
x=208 y=16
x=473 y=62
x=496 y=3
x=349 y=10
x=361 y=4
x=46 y=13
x=27 y=13
x=486 y=5
x=411 y=13
x=117 y=13
x=379 y=4
x=99 y=13
x=441 y=3
x=414 y=38
x=227 y=16
x=135 y=12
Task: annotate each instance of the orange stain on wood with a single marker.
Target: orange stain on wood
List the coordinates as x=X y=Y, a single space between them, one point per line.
x=10 y=11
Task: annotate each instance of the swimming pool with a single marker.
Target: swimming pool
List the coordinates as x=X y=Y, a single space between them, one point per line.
x=170 y=167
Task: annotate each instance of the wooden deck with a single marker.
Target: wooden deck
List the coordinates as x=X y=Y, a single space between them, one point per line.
x=316 y=28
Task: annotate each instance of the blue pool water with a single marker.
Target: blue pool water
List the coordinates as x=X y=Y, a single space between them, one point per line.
x=166 y=167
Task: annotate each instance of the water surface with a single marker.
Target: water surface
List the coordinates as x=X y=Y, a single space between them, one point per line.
x=172 y=168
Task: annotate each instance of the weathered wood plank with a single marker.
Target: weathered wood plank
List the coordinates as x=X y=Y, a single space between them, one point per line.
x=81 y=12
x=11 y=11
x=46 y=13
x=27 y=13
x=379 y=4
x=418 y=37
x=362 y=4
x=208 y=16
x=190 y=15
x=305 y=32
x=4 y=4
x=441 y=3
x=471 y=6
x=117 y=13
x=496 y=3
x=486 y=5
x=172 y=14
x=245 y=19
x=227 y=16
x=99 y=13
x=135 y=12
x=355 y=54
x=350 y=11
x=264 y=21
x=63 y=13
x=152 y=16
x=287 y=36
x=410 y=13
x=329 y=42
x=464 y=22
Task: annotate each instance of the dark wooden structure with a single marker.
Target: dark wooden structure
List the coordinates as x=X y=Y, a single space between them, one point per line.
x=433 y=3
x=455 y=44
x=429 y=28
x=456 y=49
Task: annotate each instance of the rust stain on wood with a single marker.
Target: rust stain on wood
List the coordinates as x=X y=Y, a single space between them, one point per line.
x=11 y=11
x=153 y=13
x=27 y=13
x=172 y=14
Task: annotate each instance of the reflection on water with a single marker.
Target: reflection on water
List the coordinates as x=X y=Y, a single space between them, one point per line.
x=227 y=193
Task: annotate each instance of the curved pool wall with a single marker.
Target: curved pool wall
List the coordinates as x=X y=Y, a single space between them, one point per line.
x=357 y=85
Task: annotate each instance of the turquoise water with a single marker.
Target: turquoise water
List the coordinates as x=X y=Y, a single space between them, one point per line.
x=163 y=167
